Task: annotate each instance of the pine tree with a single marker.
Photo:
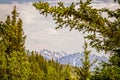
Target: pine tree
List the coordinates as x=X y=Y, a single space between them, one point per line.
x=12 y=33
x=3 y=66
x=66 y=73
x=84 y=71
x=117 y=1
x=103 y=33
x=36 y=65
x=18 y=66
x=13 y=60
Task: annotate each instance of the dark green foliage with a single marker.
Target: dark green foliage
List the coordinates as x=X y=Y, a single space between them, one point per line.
x=84 y=71
x=14 y=63
x=66 y=73
x=36 y=64
x=12 y=34
x=18 y=64
x=42 y=69
x=117 y=1
x=3 y=66
x=108 y=72
x=103 y=33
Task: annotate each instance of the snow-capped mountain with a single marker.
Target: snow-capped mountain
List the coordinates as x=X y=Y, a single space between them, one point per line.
x=75 y=59
x=52 y=55
x=72 y=59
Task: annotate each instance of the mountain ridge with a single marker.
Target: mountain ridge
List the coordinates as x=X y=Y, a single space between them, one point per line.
x=72 y=59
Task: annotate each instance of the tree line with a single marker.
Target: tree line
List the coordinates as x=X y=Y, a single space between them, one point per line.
x=16 y=63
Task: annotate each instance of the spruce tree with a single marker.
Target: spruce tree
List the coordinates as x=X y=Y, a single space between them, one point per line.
x=13 y=59
x=84 y=71
x=67 y=73
x=104 y=34
x=12 y=33
x=18 y=66
x=3 y=66
x=36 y=65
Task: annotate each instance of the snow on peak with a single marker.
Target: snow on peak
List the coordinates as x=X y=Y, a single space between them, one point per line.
x=52 y=55
x=72 y=59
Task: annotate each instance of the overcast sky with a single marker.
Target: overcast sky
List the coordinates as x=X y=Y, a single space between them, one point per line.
x=40 y=31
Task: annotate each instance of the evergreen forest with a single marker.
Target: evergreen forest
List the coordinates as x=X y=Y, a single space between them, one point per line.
x=17 y=63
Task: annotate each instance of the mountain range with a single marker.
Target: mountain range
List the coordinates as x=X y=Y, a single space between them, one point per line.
x=72 y=59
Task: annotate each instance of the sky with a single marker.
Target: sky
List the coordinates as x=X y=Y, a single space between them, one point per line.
x=40 y=30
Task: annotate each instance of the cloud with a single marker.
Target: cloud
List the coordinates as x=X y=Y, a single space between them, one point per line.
x=40 y=30
x=41 y=33
x=16 y=1
x=111 y=5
